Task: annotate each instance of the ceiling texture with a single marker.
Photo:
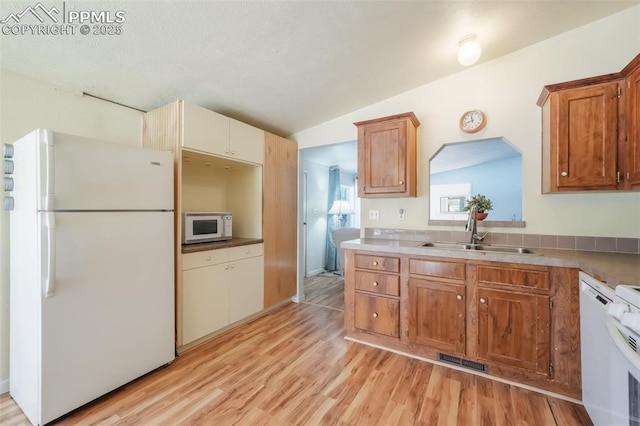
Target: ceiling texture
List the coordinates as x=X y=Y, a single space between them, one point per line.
x=282 y=66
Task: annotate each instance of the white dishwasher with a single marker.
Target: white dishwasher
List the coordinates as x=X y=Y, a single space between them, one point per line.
x=595 y=298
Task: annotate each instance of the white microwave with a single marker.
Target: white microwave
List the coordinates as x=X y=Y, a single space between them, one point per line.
x=205 y=227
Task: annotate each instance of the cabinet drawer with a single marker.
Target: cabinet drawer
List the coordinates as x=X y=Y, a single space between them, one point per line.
x=377 y=263
x=379 y=315
x=527 y=278
x=378 y=283
x=244 y=252
x=204 y=258
x=437 y=269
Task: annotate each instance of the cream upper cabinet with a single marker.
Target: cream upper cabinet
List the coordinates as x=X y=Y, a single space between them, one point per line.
x=204 y=130
x=246 y=142
x=212 y=133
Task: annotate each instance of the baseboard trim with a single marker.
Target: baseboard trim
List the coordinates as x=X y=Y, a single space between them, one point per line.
x=4 y=386
x=314 y=272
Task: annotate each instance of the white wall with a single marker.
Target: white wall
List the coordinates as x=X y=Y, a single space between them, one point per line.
x=506 y=89
x=26 y=104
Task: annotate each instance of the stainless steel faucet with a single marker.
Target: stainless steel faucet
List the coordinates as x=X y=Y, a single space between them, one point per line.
x=472 y=225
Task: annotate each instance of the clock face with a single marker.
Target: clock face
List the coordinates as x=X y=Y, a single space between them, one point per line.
x=472 y=121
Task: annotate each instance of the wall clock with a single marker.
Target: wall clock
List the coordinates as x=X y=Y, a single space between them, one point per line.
x=473 y=121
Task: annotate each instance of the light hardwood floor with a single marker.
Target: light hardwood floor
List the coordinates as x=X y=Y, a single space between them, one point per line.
x=293 y=367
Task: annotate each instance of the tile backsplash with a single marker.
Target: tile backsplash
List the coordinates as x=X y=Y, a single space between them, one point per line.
x=566 y=242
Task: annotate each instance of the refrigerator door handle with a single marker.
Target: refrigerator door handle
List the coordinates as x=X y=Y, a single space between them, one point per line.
x=50 y=284
x=48 y=175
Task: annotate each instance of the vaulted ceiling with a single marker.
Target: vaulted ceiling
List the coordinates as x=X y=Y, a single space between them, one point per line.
x=282 y=66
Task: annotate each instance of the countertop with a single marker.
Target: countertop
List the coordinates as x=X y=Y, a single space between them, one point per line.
x=234 y=242
x=611 y=268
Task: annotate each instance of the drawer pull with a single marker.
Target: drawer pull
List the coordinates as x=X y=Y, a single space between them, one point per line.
x=401 y=182
x=375 y=263
x=375 y=315
x=483 y=300
x=375 y=283
x=459 y=297
x=208 y=258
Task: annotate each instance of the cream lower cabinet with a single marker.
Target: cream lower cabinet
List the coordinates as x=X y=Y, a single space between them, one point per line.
x=246 y=282
x=220 y=287
x=205 y=306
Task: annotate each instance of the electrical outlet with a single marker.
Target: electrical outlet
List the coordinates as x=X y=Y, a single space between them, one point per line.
x=374 y=214
x=401 y=214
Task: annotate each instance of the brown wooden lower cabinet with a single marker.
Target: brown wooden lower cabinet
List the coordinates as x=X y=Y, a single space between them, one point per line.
x=377 y=314
x=515 y=321
x=437 y=315
x=513 y=329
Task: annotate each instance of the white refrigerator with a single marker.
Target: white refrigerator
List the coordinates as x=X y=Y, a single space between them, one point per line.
x=91 y=269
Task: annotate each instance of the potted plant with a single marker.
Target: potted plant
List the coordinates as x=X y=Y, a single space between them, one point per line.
x=483 y=203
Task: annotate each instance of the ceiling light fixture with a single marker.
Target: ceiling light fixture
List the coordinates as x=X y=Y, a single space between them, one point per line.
x=469 y=50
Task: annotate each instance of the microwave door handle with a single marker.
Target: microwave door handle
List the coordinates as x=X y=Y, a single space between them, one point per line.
x=622 y=345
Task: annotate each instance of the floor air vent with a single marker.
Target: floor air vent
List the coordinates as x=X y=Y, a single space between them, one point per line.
x=450 y=359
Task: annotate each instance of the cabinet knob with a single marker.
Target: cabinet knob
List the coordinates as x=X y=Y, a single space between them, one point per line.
x=564 y=174
x=208 y=258
x=233 y=266
x=375 y=283
x=375 y=263
x=459 y=297
x=226 y=151
x=375 y=315
x=401 y=182
x=483 y=300
x=226 y=267
x=233 y=153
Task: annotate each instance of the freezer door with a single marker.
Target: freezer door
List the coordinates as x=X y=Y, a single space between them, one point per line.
x=111 y=316
x=78 y=173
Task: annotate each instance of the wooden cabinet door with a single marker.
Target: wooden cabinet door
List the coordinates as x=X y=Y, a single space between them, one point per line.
x=387 y=156
x=205 y=306
x=380 y=315
x=279 y=218
x=246 y=287
x=633 y=130
x=385 y=165
x=586 y=146
x=513 y=329
x=437 y=315
x=204 y=130
x=246 y=142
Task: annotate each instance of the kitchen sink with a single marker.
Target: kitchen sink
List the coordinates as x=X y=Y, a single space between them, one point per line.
x=481 y=247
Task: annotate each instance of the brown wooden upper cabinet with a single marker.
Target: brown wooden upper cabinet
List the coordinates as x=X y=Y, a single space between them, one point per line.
x=387 y=156
x=591 y=133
